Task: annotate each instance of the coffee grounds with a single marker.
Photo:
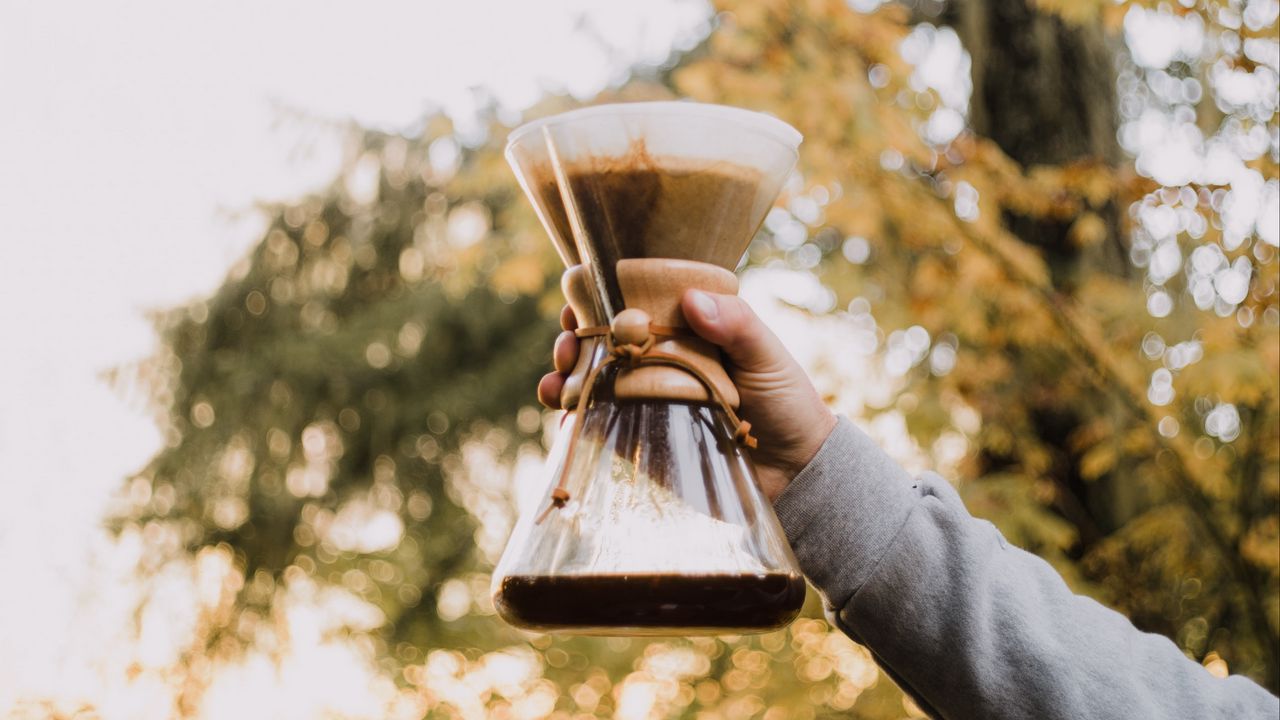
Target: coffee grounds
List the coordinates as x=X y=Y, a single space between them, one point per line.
x=650 y=604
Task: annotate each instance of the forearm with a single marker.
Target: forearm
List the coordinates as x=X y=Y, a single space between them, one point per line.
x=971 y=626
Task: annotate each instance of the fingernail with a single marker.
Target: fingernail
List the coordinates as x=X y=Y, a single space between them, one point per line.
x=706 y=306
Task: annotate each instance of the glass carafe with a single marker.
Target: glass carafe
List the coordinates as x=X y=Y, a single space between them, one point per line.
x=652 y=520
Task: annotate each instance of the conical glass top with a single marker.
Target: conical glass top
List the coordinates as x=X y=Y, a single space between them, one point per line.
x=652 y=180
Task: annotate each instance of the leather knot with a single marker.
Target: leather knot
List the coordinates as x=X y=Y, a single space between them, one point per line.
x=632 y=353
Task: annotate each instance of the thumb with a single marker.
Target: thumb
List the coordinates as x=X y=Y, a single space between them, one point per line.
x=727 y=321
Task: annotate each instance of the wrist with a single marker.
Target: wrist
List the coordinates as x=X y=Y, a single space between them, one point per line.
x=778 y=466
x=816 y=431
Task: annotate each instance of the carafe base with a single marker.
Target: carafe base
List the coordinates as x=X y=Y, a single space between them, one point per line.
x=650 y=604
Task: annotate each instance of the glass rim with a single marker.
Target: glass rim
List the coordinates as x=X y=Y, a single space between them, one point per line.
x=765 y=124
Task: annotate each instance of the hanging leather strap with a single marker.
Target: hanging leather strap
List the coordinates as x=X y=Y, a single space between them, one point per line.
x=631 y=355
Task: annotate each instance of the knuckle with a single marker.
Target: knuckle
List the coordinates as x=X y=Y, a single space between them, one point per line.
x=565 y=351
x=567 y=319
x=549 y=390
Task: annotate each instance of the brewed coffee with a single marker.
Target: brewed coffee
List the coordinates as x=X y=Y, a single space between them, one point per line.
x=651 y=604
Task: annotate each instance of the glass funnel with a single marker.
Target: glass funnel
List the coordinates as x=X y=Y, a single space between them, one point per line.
x=652 y=520
x=676 y=180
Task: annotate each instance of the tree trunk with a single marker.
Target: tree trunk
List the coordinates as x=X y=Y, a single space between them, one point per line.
x=1045 y=92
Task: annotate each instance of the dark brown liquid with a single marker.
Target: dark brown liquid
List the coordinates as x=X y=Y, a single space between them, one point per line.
x=650 y=604
x=640 y=206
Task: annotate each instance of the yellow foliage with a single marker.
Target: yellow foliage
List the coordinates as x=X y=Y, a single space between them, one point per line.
x=1261 y=544
x=1088 y=229
x=1090 y=180
x=1078 y=12
x=1138 y=442
x=1237 y=375
x=520 y=274
x=1091 y=433
x=1098 y=461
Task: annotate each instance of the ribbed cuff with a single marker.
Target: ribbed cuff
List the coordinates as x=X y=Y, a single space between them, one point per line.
x=842 y=512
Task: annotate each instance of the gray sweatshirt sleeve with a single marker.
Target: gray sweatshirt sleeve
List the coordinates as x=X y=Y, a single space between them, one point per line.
x=970 y=626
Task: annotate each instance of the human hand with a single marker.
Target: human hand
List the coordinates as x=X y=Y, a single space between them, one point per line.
x=786 y=415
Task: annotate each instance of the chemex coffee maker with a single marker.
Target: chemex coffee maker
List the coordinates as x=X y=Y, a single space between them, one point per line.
x=652 y=521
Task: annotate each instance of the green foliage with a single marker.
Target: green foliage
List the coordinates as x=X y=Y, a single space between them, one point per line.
x=320 y=377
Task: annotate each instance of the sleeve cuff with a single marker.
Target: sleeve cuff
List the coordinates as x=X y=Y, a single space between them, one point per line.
x=843 y=511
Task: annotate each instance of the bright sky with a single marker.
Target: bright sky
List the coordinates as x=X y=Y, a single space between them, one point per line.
x=134 y=140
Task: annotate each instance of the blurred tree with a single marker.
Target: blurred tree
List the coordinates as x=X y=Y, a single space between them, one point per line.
x=329 y=384
x=347 y=406
x=1052 y=101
